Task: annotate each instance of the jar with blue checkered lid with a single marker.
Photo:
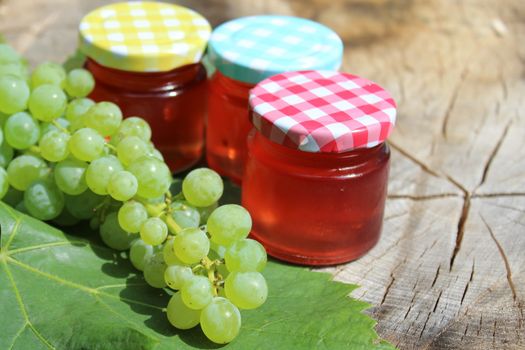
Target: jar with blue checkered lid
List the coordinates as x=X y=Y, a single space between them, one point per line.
x=146 y=57
x=316 y=175
x=244 y=52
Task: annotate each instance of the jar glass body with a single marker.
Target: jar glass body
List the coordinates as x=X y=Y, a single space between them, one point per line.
x=173 y=103
x=228 y=125
x=315 y=208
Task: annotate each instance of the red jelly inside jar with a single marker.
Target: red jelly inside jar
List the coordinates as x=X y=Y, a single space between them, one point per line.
x=173 y=103
x=228 y=126
x=145 y=57
x=317 y=171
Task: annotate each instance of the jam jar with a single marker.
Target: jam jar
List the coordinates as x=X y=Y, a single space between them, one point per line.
x=245 y=51
x=146 y=57
x=317 y=168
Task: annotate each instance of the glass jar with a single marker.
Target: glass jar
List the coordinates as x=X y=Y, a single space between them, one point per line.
x=145 y=57
x=245 y=51
x=316 y=175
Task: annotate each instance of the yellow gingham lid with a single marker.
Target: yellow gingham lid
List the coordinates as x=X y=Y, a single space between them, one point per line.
x=144 y=36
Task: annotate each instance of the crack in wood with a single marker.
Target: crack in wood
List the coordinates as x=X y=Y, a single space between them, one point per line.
x=468 y=284
x=422 y=165
x=422 y=198
x=461 y=228
x=492 y=155
x=496 y=194
x=437 y=301
x=424 y=326
x=504 y=257
x=436 y=276
x=392 y=280
x=453 y=100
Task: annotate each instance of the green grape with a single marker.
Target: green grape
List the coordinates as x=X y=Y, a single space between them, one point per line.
x=205 y=212
x=153 y=176
x=43 y=200
x=54 y=146
x=191 y=245
x=202 y=187
x=66 y=219
x=13 y=196
x=76 y=110
x=229 y=223
x=79 y=83
x=184 y=214
x=245 y=255
x=122 y=186
x=131 y=216
x=14 y=94
x=83 y=205
x=4 y=183
x=130 y=149
x=47 y=102
x=46 y=127
x=17 y=69
x=156 y=154
x=21 y=131
x=70 y=176
x=86 y=144
x=196 y=292
x=135 y=126
x=48 y=73
x=247 y=290
x=220 y=321
x=105 y=117
x=179 y=315
x=154 y=231
x=8 y=54
x=25 y=169
x=220 y=250
x=99 y=173
x=22 y=208
x=113 y=235
x=154 y=268
x=6 y=154
x=3 y=118
x=177 y=275
x=139 y=253
x=169 y=254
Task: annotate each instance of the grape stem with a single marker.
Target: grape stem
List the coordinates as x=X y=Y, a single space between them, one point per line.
x=111 y=147
x=173 y=227
x=213 y=275
x=60 y=127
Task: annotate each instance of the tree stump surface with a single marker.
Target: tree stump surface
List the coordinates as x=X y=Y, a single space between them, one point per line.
x=449 y=271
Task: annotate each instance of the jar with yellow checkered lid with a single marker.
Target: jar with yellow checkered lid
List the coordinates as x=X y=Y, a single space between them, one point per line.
x=146 y=57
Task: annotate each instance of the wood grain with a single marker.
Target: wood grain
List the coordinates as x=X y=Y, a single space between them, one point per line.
x=449 y=270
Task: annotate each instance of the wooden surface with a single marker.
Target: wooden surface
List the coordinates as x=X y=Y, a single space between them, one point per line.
x=449 y=270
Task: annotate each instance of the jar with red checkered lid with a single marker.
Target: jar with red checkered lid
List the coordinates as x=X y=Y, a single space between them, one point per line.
x=316 y=175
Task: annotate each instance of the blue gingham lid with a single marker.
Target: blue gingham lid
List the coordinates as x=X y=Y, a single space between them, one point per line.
x=251 y=49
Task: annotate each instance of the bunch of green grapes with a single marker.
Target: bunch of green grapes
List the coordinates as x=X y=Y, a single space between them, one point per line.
x=65 y=158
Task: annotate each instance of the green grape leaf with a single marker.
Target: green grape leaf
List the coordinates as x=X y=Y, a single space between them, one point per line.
x=59 y=291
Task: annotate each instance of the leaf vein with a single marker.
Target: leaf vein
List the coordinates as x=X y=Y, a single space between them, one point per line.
x=46 y=245
x=23 y=309
x=81 y=287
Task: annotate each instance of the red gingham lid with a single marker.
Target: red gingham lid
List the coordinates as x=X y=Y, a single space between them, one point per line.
x=322 y=111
